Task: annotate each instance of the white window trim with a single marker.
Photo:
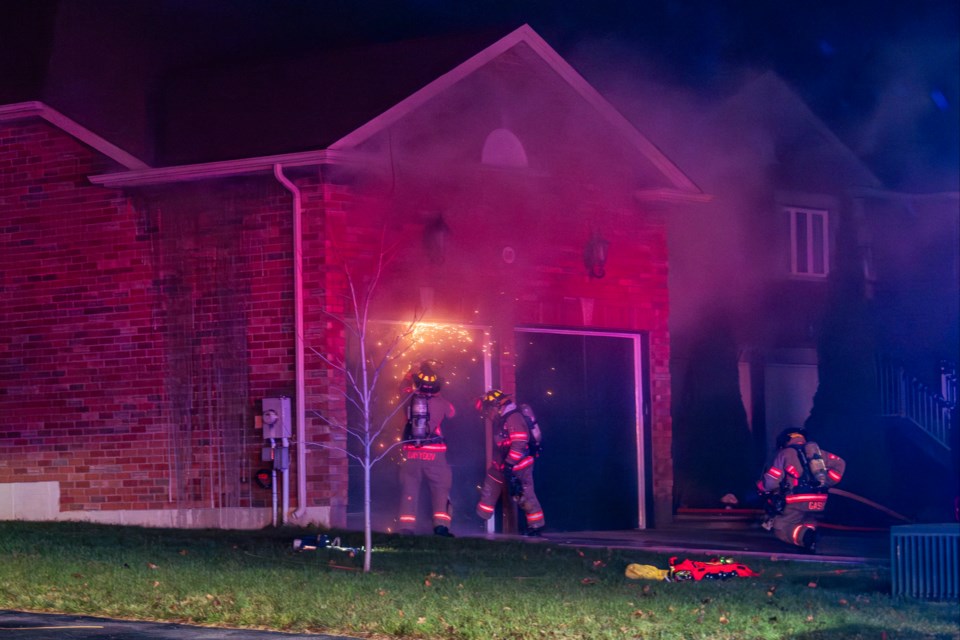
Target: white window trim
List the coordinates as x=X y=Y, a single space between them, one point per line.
x=825 y=241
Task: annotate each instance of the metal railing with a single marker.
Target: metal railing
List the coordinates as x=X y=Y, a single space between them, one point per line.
x=948 y=382
x=906 y=397
x=925 y=561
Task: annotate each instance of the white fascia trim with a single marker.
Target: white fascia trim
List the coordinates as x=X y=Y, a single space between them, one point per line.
x=526 y=35
x=671 y=195
x=901 y=195
x=221 y=169
x=603 y=106
x=421 y=97
x=24 y=110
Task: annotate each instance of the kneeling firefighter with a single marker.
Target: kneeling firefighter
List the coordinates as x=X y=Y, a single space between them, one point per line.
x=425 y=451
x=795 y=488
x=516 y=436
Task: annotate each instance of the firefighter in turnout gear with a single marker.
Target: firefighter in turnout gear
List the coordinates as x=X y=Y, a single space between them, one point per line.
x=514 y=465
x=425 y=452
x=795 y=488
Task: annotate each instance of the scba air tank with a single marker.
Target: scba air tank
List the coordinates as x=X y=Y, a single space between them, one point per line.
x=419 y=416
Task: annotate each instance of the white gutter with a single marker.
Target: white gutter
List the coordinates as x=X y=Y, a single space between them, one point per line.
x=298 y=338
x=223 y=169
x=867 y=192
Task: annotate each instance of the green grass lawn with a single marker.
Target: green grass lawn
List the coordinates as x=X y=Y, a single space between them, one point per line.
x=428 y=587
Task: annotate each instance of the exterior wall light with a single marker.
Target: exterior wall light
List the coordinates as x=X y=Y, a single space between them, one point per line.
x=595 y=256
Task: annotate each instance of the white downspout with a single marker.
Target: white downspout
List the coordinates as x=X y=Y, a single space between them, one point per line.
x=298 y=331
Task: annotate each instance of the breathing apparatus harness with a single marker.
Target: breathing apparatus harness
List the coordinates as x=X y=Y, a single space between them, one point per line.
x=417 y=430
x=814 y=476
x=535 y=444
x=812 y=479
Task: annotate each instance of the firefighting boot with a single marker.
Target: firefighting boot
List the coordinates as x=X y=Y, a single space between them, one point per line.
x=442 y=531
x=810 y=541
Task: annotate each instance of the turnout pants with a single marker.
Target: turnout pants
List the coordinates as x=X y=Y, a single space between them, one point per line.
x=493 y=487
x=419 y=464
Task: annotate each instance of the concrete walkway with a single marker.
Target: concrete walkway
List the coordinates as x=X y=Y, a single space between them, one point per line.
x=836 y=545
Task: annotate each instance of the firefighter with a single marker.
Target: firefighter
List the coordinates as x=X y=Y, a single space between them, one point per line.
x=425 y=452
x=514 y=465
x=795 y=488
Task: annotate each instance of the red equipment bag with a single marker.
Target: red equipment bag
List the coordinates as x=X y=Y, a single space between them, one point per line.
x=716 y=569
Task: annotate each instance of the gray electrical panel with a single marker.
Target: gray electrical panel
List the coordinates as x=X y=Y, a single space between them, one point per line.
x=277 y=418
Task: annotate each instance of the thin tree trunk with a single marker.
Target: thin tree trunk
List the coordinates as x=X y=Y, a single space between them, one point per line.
x=367 y=529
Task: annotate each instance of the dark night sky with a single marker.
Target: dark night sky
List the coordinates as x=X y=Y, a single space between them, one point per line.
x=883 y=75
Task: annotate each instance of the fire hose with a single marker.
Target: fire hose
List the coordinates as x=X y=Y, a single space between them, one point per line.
x=868 y=502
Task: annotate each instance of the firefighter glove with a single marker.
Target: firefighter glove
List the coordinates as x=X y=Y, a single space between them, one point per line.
x=774 y=503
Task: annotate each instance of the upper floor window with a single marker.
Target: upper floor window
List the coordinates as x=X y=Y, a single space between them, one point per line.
x=809 y=242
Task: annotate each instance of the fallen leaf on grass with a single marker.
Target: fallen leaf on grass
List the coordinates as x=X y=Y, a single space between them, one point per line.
x=843 y=602
x=724 y=620
x=809 y=618
x=150 y=565
x=156 y=584
x=589 y=581
x=812 y=585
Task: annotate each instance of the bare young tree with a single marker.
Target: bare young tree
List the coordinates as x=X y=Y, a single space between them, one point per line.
x=363 y=380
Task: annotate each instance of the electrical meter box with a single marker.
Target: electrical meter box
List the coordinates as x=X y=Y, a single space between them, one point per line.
x=277 y=418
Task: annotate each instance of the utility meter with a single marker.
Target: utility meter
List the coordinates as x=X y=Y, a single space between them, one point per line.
x=277 y=418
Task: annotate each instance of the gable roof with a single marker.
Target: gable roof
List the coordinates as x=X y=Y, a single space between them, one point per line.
x=528 y=36
x=28 y=110
x=328 y=129
x=775 y=109
x=294 y=105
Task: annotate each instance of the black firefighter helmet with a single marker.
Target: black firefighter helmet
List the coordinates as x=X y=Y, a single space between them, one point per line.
x=427 y=379
x=789 y=434
x=492 y=398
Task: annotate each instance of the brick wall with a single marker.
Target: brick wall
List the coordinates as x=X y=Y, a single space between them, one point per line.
x=81 y=352
x=141 y=331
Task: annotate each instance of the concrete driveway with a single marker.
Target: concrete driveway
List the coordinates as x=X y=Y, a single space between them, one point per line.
x=17 y=625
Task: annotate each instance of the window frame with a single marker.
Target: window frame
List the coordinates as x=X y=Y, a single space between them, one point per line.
x=809 y=246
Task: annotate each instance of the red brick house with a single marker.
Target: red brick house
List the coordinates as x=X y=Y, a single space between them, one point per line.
x=151 y=309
